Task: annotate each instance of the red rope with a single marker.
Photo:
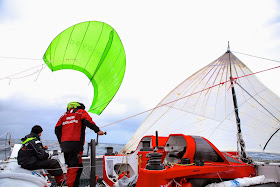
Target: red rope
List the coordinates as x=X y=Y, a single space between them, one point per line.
x=259 y=71
x=222 y=83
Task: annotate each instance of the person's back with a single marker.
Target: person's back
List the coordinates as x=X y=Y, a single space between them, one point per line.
x=73 y=130
x=31 y=151
x=32 y=155
x=70 y=132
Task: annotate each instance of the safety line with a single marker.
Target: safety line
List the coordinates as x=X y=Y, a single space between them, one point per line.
x=5 y=147
x=5 y=133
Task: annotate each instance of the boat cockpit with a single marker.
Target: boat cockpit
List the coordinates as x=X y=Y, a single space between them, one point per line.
x=175 y=148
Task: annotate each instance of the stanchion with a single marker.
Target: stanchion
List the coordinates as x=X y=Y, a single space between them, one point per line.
x=92 y=164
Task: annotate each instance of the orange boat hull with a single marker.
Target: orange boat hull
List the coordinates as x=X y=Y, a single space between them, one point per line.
x=179 y=160
x=191 y=175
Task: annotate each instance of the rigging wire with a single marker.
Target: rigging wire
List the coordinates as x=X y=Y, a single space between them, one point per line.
x=256 y=56
x=270 y=138
x=26 y=58
x=234 y=78
x=257 y=101
x=9 y=77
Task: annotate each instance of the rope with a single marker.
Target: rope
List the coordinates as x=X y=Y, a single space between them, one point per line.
x=7 y=139
x=54 y=169
x=8 y=77
x=4 y=134
x=222 y=83
x=89 y=166
x=220 y=178
x=52 y=144
x=40 y=70
x=258 y=102
x=177 y=184
x=234 y=78
x=77 y=167
x=4 y=147
x=120 y=166
x=20 y=58
x=256 y=56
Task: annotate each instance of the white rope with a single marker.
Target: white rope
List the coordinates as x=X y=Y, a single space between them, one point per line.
x=20 y=58
x=221 y=178
x=120 y=166
x=177 y=184
x=4 y=147
x=5 y=134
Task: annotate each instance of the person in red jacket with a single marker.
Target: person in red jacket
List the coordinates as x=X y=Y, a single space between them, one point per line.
x=70 y=132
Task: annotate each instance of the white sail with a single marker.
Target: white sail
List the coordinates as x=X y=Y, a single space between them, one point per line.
x=203 y=105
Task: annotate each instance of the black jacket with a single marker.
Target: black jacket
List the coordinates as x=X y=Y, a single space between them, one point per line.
x=32 y=150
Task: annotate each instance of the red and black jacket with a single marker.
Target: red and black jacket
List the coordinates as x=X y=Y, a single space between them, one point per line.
x=70 y=129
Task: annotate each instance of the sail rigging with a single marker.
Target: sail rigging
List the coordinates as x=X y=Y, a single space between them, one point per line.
x=240 y=140
x=210 y=112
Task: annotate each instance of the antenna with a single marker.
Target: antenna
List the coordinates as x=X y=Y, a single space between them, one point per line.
x=157 y=139
x=228 y=48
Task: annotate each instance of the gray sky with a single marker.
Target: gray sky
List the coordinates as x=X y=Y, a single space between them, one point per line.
x=165 y=42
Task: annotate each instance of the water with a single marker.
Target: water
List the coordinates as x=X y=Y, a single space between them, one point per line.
x=273 y=157
x=101 y=150
x=53 y=145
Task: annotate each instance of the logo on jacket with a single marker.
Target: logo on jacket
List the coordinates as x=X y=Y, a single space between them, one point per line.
x=71 y=121
x=70 y=117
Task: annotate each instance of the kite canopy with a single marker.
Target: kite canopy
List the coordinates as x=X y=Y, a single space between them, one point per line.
x=95 y=49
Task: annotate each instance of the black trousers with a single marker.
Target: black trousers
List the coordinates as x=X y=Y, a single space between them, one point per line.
x=51 y=165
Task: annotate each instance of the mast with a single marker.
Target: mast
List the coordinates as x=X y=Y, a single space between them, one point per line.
x=239 y=133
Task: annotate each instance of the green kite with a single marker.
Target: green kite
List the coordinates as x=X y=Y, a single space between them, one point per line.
x=95 y=49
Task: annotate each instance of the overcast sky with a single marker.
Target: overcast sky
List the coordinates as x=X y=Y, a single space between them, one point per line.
x=165 y=42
